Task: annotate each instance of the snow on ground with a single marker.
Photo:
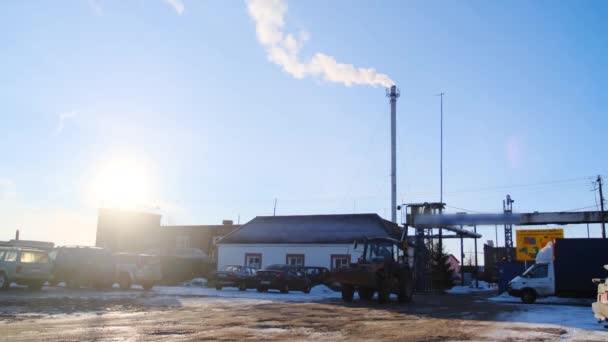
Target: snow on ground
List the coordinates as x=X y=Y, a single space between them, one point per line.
x=195 y=282
x=575 y=317
x=506 y=298
x=317 y=293
x=484 y=287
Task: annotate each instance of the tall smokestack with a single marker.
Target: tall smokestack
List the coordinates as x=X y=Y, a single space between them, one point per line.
x=393 y=93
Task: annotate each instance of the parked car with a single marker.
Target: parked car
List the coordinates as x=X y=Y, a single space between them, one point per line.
x=138 y=269
x=284 y=278
x=317 y=275
x=600 y=307
x=24 y=266
x=83 y=266
x=243 y=277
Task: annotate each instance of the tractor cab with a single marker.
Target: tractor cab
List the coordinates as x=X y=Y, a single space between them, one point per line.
x=382 y=250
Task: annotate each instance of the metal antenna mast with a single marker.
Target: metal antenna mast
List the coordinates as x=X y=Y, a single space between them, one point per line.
x=599 y=184
x=441 y=153
x=507 y=206
x=393 y=93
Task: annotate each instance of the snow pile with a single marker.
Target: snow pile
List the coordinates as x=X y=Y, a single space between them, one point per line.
x=484 y=287
x=195 y=282
x=317 y=293
x=506 y=298
x=576 y=317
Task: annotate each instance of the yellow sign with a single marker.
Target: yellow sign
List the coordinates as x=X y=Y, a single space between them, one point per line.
x=530 y=241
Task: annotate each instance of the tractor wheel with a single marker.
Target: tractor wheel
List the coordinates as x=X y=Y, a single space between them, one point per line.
x=384 y=292
x=366 y=293
x=348 y=291
x=406 y=288
x=124 y=281
x=528 y=296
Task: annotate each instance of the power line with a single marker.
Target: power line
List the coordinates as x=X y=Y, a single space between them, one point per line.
x=577 y=209
x=463 y=209
x=504 y=187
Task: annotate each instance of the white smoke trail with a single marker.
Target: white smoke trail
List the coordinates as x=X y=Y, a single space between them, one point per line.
x=177 y=5
x=283 y=49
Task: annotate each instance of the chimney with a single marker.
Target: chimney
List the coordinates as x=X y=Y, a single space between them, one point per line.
x=228 y=222
x=17 y=235
x=393 y=93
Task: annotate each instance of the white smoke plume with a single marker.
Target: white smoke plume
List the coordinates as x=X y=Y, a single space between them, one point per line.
x=283 y=49
x=177 y=5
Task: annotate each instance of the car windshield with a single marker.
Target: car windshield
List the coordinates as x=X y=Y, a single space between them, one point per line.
x=537 y=271
x=34 y=257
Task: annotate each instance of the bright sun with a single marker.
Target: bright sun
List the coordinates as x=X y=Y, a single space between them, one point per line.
x=121 y=184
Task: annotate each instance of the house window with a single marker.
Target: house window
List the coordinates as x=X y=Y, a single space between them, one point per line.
x=253 y=260
x=339 y=261
x=182 y=241
x=295 y=259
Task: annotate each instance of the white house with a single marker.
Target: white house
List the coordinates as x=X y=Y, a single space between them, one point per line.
x=309 y=240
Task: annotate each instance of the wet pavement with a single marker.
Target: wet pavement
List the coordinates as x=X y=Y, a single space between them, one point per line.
x=58 y=314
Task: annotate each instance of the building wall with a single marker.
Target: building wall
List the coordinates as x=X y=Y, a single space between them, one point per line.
x=200 y=237
x=454 y=265
x=127 y=231
x=314 y=255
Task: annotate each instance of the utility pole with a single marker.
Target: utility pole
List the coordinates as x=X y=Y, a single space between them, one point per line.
x=507 y=207
x=461 y=258
x=599 y=184
x=476 y=265
x=441 y=169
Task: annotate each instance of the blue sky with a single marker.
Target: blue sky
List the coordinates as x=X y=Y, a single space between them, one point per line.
x=189 y=96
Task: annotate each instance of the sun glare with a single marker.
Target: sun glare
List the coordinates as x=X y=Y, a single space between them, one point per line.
x=121 y=184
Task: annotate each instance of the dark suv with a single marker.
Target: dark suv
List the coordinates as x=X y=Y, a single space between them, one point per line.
x=239 y=276
x=283 y=278
x=83 y=266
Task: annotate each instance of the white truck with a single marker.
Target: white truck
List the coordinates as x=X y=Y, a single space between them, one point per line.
x=564 y=268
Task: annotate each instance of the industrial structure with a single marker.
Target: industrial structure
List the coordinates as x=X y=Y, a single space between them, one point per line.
x=424 y=217
x=393 y=93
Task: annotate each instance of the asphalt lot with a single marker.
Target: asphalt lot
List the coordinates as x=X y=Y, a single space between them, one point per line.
x=168 y=313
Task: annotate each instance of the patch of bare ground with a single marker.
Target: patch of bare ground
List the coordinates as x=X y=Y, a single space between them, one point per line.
x=548 y=330
x=199 y=319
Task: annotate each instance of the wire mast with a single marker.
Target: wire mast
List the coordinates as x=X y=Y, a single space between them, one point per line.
x=599 y=185
x=393 y=93
x=507 y=207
